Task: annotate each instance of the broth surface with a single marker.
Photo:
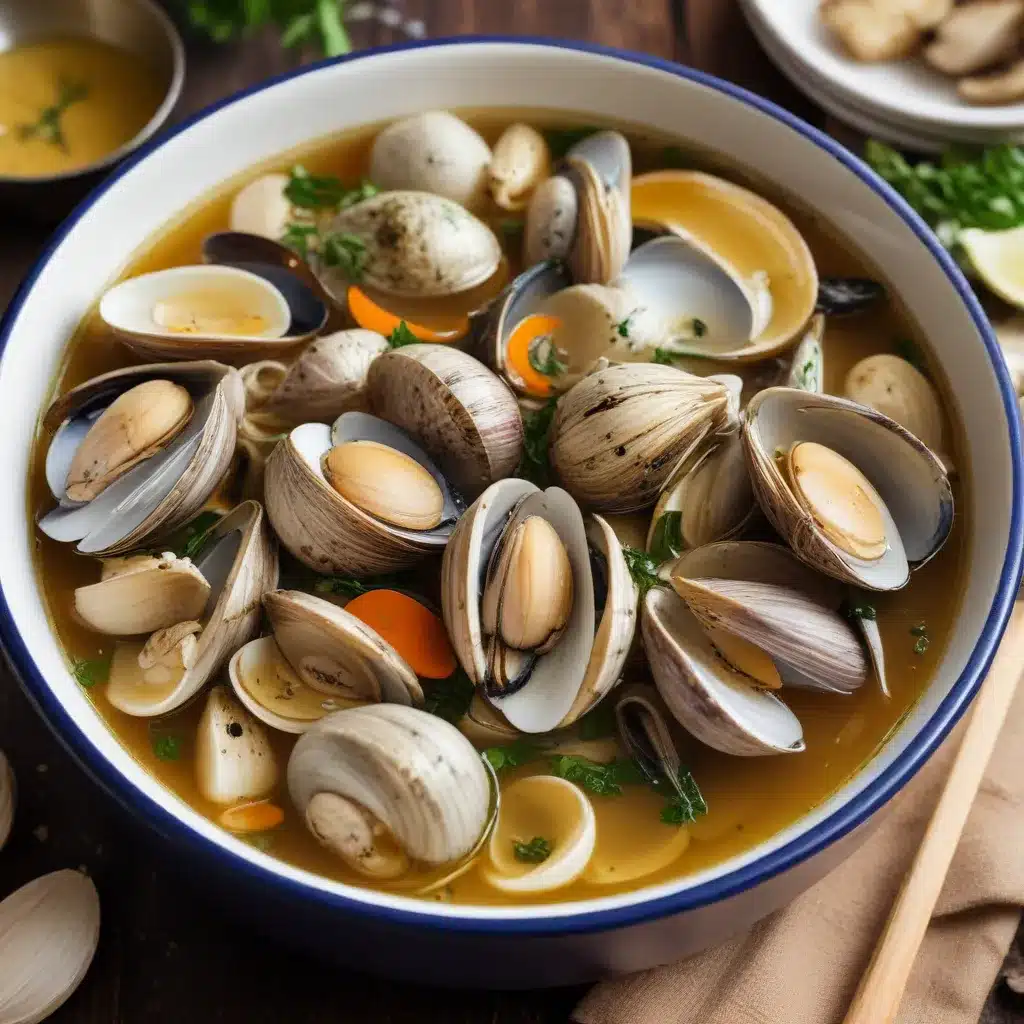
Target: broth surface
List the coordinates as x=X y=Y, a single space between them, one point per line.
x=749 y=799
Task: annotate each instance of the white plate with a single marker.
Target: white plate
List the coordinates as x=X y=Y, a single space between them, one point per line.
x=906 y=92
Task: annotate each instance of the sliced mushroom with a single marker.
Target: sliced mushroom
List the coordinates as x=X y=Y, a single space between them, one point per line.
x=976 y=36
x=870 y=31
x=1005 y=86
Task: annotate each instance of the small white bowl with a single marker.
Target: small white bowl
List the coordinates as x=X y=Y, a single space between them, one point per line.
x=483 y=946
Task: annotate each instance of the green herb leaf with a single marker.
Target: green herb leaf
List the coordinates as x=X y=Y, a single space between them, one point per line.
x=699 y=327
x=324 y=191
x=303 y=238
x=512 y=755
x=49 y=126
x=664 y=356
x=681 y=808
x=543 y=357
x=862 y=610
x=298 y=21
x=561 y=140
x=189 y=541
x=907 y=350
x=596 y=777
x=535 y=464
x=402 y=336
x=90 y=671
x=536 y=851
x=922 y=644
x=166 y=746
x=643 y=568
x=667 y=540
x=449 y=698
x=343 y=585
x=332 y=28
x=346 y=252
x=623 y=326
x=599 y=723
x=919 y=630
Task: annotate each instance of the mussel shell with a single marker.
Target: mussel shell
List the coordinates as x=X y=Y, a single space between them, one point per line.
x=842 y=296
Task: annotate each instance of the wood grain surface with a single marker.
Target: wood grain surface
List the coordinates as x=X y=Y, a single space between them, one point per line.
x=167 y=954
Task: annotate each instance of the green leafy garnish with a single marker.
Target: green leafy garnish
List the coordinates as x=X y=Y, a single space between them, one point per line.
x=643 y=568
x=297 y=21
x=964 y=189
x=921 y=645
x=543 y=357
x=513 y=755
x=907 y=350
x=919 y=630
x=536 y=851
x=343 y=585
x=49 y=126
x=324 y=191
x=622 y=327
x=664 y=356
x=90 y=671
x=303 y=238
x=166 y=746
x=534 y=464
x=862 y=610
x=346 y=252
x=449 y=698
x=189 y=541
x=599 y=723
x=402 y=336
x=561 y=140
x=667 y=540
x=699 y=327
x=681 y=807
x=595 y=776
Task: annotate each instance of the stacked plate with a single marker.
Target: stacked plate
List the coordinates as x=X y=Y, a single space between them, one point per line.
x=903 y=102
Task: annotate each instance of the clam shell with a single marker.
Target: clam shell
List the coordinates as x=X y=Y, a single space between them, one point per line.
x=620 y=432
x=551 y=220
x=240 y=562
x=8 y=793
x=463 y=415
x=49 y=930
x=412 y=771
x=326 y=532
x=910 y=479
x=432 y=152
x=165 y=491
x=416 y=245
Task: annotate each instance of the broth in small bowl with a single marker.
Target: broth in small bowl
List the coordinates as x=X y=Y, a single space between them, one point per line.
x=496 y=520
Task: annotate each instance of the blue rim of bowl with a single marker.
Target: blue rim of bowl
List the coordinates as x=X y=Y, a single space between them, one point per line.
x=811 y=843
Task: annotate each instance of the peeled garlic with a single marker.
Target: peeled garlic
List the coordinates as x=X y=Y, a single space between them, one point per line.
x=519 y=164
x=49 y=930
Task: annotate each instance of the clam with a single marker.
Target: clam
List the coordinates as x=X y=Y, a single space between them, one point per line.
x=387 y=788
x=49 y=930
x=432 y=152
x=355 y=498
x=520 y=162
x=238 y=560
x=128 y=466
x=463 y=415
x=544 y=837
x=733 y=264
x=7 y=798
x=413 y=245
x=642 y=723
x=141 y=594
x=234 y=759
x=892 y=386
x=235 y=312
x=619 y=433
x=320 y=659
x=582 y=214
x=708 y=498
x=261 y=207
x=541 y=635
x=854 y=494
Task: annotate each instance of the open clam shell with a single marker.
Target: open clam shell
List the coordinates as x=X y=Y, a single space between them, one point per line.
x=159 y=493
x=408 y=774
x=463 y=415
x=619 y=433
x=914 y=504
x=328 y=532
x=239 y=560
x=560 y=683
x=238 y=312
x=743 y=253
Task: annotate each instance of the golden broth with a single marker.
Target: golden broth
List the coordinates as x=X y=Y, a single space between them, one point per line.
x=68 y=102
x=749 y=799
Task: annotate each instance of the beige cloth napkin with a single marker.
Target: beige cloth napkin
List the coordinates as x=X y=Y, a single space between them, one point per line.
x=802 y=964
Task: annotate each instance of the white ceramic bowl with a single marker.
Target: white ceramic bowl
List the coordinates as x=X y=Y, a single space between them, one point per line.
x=575 y=941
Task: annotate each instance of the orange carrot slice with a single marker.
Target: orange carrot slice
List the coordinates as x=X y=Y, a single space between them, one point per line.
x=368 y=314
x=253 y=817
x=414 y=631
x=517 y=355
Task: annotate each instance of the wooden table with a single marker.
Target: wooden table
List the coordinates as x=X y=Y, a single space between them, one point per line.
x=166 y=955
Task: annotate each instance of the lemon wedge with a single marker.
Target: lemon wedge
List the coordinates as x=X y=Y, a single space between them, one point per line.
x=998 y=257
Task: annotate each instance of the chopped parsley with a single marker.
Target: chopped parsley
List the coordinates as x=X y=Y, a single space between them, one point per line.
x=449 y=698
x=349 y=586
x=513 y=755
x=594 y=776
x=643 y=568
x=345 y=251
x=664 y=356
x=919 y=630
x=402 y=336
x=49 y=127
x=90 y=671
x=683 y=805
x=862 y=610
x=343 y=585
x=302 y=238
x=536 y=851
x=923 y=639
x=699 y=327
x=543 y=357
x=324 y=191
x=535 y=464
x=561 y=140
x=166 y=745
x=667 y=539
x=623 y=326
x=298 y=21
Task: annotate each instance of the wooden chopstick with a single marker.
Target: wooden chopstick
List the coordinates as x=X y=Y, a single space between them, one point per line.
x=881 y=989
